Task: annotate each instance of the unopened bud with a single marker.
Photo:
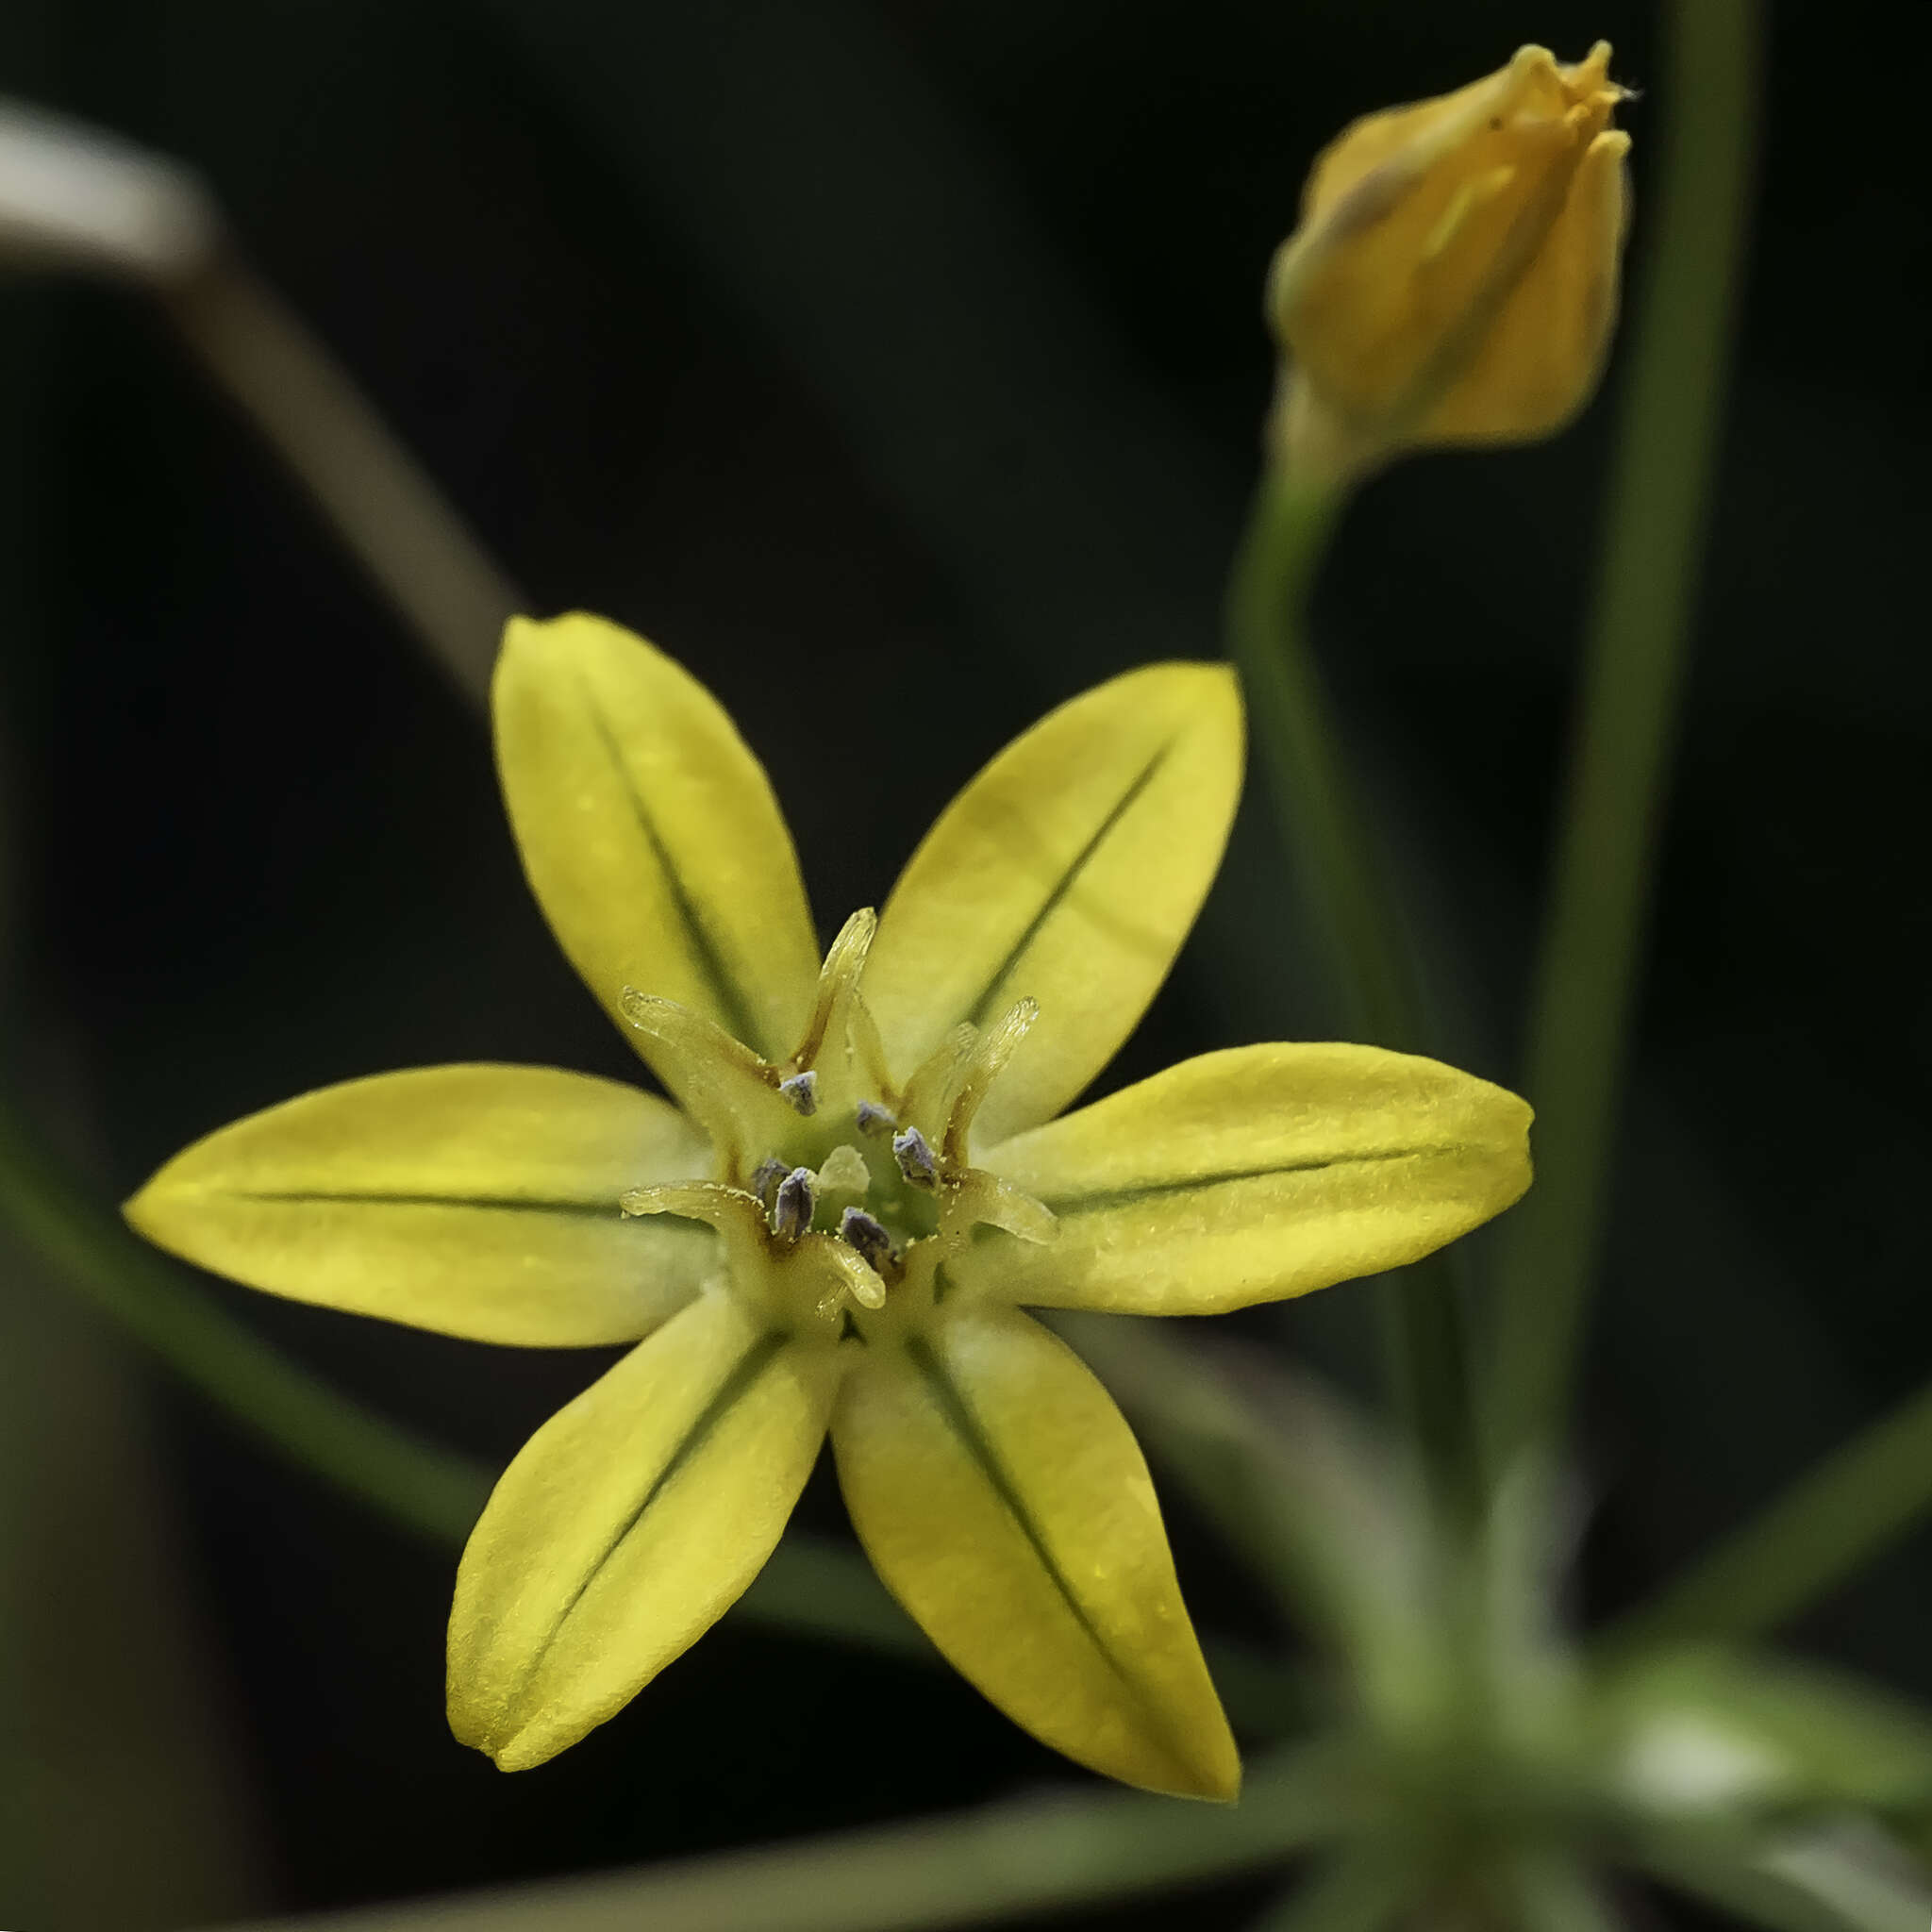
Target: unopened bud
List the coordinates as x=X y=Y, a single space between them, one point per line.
x=1454 y=278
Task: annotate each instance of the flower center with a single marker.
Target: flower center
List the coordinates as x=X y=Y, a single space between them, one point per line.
x=836 y=1189
x=880 y=1193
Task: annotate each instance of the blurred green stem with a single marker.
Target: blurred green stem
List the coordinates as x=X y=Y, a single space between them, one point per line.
x=1005 y=1861
x=1852 y=1507
x=1362 y=1888
x=1580 y=1013
x=1327 y=837
x=1319 y=819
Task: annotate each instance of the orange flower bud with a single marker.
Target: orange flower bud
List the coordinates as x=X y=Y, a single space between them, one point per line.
x=1454 y=277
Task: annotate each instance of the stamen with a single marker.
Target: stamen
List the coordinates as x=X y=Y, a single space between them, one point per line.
x=983 y=1065
x=826 y=1035
x=731 y=1211
x=861 y=1279
x=723 y=1085
x=792 y=1211
x=874 y=1119
x=857 y=1229
x=928 y=1093
x=765 y=1179
x=802 y=1090
x=1011 y=1208
x=913 y=1152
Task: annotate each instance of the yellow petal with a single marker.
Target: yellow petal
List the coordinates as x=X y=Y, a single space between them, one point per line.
x=478 y=1201
x=629 y=1525
x=1068 y=871
x=1254 y=1175
x=1007 y=1506
x=1539 y=361
x=649 y=832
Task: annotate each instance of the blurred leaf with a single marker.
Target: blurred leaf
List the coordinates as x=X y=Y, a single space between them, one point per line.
x=1841 y=1877
x=1551 y=1892
x=1840 y=1515
x=1702 y=1728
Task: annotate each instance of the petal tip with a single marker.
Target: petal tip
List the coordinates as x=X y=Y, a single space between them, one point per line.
x=1207 y=1767
x=521 y=629
x=484 y=1724
x=1204 y=681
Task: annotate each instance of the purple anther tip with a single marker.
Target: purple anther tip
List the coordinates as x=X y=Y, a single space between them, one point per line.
x=913 y=1152
x=802 y=1090
x=792 y=1213
x=858 y=1229
x=874 y=1119
x=764 y=1181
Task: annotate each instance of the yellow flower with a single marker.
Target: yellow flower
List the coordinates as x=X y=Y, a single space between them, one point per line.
x=1454 y=277
x=836 y=1226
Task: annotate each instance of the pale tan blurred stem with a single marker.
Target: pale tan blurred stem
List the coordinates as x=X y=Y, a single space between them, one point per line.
x=380 y=501
x=130 y=1796
x=73 y=196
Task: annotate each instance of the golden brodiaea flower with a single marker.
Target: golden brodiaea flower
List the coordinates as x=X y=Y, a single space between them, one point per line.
x=1454 y=277
x=836 y=1225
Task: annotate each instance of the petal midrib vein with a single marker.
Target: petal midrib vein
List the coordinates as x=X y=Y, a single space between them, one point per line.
x=1099 y=1200
x=707 y=955
x=602 y=1208
x=1064 y=885
x=731 y=1388
x=960 y=1418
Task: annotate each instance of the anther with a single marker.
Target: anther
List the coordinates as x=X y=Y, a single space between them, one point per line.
x=802 y=1090
x=857 y=1229
x=874 y=1119
x=913 y=1152
x=791 y=1211
x=764 y=1181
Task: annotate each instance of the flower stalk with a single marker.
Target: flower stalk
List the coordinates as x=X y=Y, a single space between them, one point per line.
x=1580 y=1013
x=1325 y=835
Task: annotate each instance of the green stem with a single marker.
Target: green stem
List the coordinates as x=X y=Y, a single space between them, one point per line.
x=1580 y=1015
x=1002 y=1861
x=1320 y=822
x=1333 y=853
x=1851 y=1507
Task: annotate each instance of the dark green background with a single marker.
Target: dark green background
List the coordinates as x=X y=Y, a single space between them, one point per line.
x=899 y=368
